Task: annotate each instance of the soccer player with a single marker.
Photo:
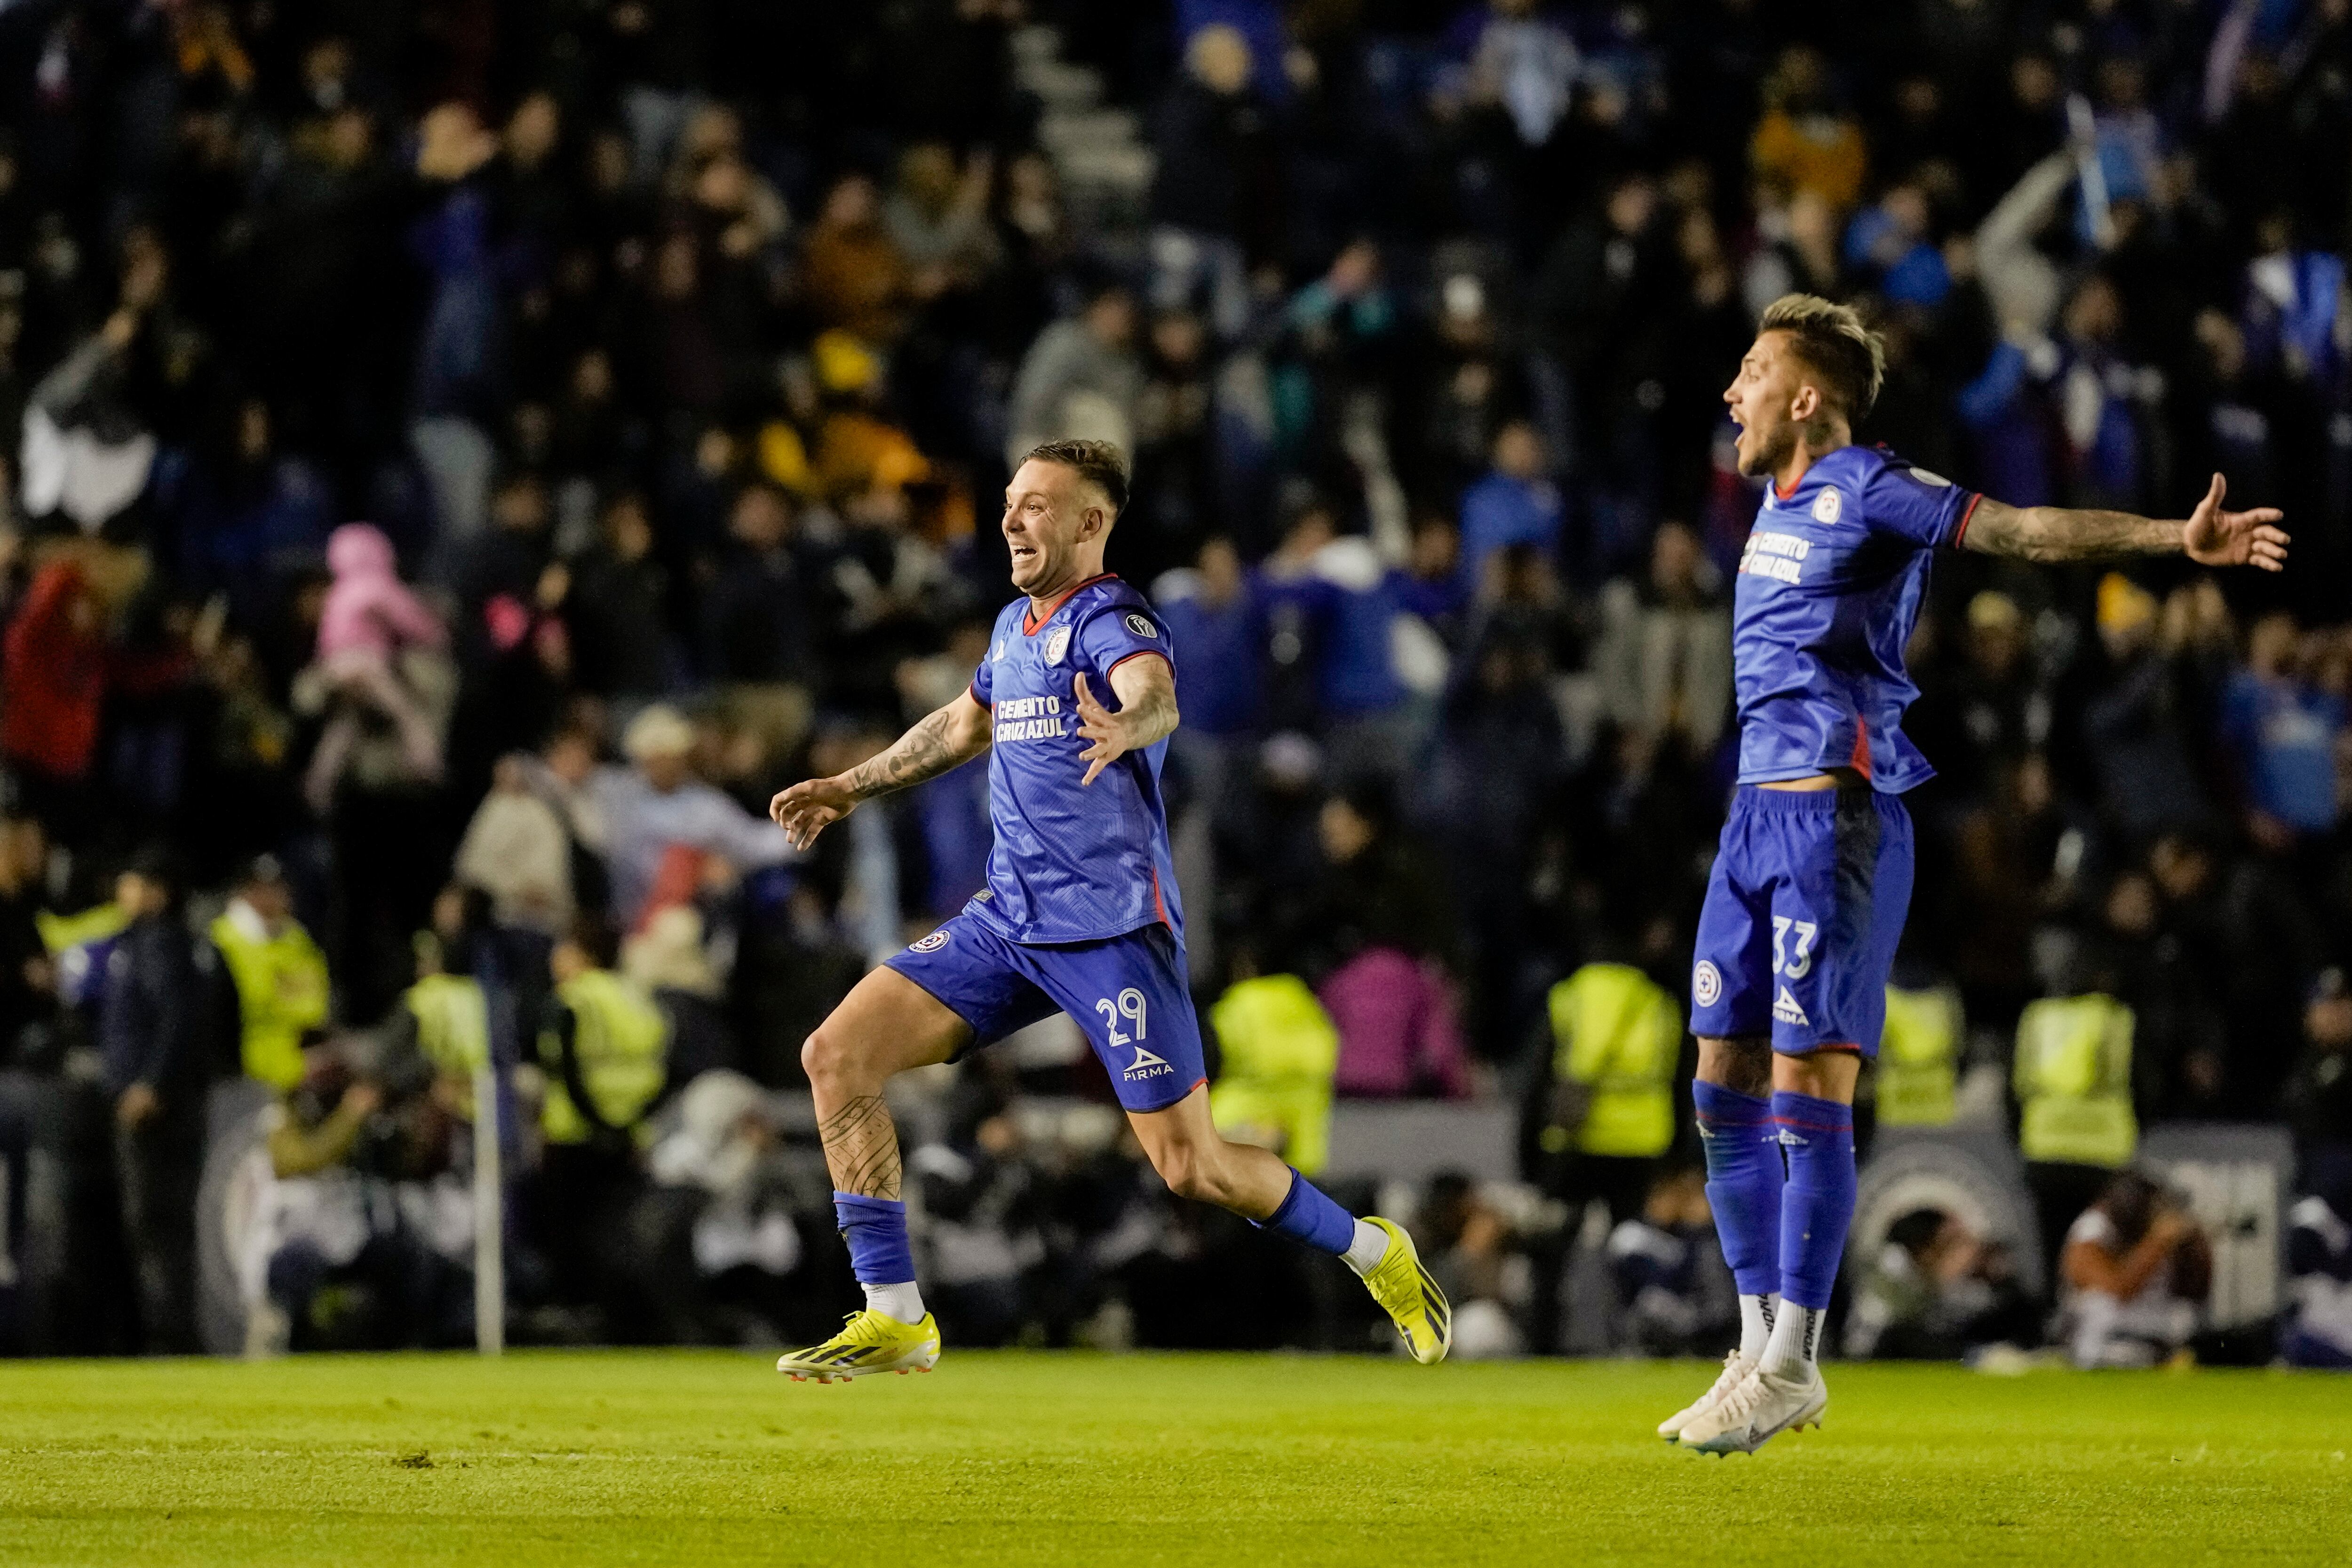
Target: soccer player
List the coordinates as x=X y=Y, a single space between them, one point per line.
x=1808 y=889
x=1080 y=915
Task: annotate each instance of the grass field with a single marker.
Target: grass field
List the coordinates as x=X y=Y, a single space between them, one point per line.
x=700 y=1457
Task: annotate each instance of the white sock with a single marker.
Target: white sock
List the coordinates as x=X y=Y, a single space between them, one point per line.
x=1796 y=1341
x=902 y=1301
x=1756 y=1324
x=1364 y=1253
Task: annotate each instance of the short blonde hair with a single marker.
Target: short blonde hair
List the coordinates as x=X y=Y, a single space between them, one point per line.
x=1835 y=345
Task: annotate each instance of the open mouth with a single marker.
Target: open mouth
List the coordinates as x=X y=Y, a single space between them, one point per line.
x=1023 y=553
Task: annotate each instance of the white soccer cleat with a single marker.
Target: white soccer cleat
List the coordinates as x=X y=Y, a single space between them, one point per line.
x=1735 y=1367
x=1760 y=1408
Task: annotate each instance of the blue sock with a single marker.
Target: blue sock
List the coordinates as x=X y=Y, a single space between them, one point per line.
x=1308 y=1214
x=1818 y=1207
x=1743 y=1184
x=875 y=1229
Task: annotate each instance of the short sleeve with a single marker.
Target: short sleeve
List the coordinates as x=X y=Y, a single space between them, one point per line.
x=1117 y=632
x=983 y=680
x=1914 y=504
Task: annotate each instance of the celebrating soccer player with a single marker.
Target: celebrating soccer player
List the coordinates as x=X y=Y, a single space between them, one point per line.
x=1807 y=897
x=1080 y=915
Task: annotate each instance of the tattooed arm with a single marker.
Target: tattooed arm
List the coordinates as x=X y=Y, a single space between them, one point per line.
x=2210 y=536
x=942 y=741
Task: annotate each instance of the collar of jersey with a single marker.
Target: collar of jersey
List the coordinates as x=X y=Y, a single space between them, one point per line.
x=1032 y=622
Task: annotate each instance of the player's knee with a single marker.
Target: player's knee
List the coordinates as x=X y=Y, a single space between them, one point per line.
x=824 y=1055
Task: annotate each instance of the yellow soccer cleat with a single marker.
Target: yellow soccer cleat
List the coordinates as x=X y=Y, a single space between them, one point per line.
x=1410 y=1298
x=868 y=1343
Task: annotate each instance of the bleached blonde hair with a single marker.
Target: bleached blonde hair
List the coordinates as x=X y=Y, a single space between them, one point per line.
x=1835 y=344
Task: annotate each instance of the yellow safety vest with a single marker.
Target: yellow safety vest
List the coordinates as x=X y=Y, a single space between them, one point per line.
x=1615 y=1030
x=281 y=993
x=453 y=1028
x=1918 y=1058
x=1280 y=1049
x=620 y=1039
x=2073 y=1078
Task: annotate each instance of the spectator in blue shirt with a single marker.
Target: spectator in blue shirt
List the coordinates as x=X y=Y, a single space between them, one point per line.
x=2282 y=731
x=1514 y=504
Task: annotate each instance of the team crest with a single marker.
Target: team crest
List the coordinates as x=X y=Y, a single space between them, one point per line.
x=931 y=943
x=1142 y=627
x=1706 y=982
x=1057 y=643
x=1826 y=506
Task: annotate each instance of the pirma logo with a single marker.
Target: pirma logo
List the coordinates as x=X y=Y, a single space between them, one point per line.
x=1142 y=627
x=1057 y=643
x=1826 y=507
x=1707 y=984
x=931 y=943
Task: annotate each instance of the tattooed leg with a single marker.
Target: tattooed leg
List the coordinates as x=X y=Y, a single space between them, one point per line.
x=886 y=1024
x=861 y=1146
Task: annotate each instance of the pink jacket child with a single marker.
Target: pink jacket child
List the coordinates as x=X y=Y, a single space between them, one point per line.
x=369 y=619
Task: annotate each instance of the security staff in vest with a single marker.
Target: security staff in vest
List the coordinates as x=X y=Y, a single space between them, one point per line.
x=1614 y=1037
x=603 y=1050
x=278 y=976
x=2073 y=1079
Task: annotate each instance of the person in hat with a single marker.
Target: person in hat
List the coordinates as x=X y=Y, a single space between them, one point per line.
x=655 y=807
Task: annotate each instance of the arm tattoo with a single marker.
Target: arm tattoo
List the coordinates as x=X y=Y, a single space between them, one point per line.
x=930 y=749
x=2060 y=534
x=861 y=1147
x=1153 y=705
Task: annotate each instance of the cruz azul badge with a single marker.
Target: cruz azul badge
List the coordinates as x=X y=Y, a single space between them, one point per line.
x=1057 y=643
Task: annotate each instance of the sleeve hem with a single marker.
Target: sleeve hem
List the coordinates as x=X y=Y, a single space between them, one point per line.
x=1140 y=653
x=1967 y=515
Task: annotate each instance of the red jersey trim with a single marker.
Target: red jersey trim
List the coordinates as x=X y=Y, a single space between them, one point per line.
x=1141 y=653
x=1791 y=490
x=1961 y=532
x=1031 y=621
x=974 y=692
x=1861 y=758
x=1159 y=904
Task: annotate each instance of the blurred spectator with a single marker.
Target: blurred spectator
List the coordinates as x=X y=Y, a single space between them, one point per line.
x=657 y=806
x=2136 y=1268
x=369 y=623
x=2318 y=1328
x=2073 y=1077
x=1616 y=1038
x=1656 y=1262
x=1936 y=1291
x=157 y=1066
x=1514 y=504
x=1079 y=380
x=1664 y=654
x=1276 y=1047
x=2282 y=731
x=1470 y=1245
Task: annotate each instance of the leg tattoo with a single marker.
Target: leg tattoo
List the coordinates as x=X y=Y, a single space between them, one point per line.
x=861 y=1147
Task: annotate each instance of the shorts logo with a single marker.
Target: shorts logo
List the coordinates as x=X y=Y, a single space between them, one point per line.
x=1785 y=1009
x=1142 y=627
x=1707 y=984
x=1144 y=1062
x=1057 y=643
x=931 y=943
x=1826 y=507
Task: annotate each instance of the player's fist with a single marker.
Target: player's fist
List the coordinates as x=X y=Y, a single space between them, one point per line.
x=2216 y=538
x=810 y=806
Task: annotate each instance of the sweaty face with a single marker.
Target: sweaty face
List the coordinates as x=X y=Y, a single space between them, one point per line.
x=1047 y=511
x=1763 y=401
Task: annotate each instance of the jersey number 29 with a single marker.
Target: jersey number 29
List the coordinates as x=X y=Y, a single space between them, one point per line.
x=1130 y=1007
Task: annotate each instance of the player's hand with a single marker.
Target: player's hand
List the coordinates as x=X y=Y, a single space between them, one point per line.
x=2218 y=538
x=810 y=806
x=1107 y=730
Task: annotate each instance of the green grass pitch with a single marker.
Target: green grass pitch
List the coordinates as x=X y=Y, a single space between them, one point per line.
x=706 y=1457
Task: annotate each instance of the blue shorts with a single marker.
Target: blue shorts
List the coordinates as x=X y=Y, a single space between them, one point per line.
x=1803 y=909
x=1129 y=994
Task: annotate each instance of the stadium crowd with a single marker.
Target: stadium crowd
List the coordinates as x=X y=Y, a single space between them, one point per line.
x=472 y=454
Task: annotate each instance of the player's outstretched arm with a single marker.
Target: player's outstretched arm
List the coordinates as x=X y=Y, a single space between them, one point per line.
x=1145 y=688
x=2210 y=536
x=941 y=741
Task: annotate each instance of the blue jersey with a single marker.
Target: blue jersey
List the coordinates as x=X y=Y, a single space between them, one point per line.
x=1830 y=587
x=1071 y=863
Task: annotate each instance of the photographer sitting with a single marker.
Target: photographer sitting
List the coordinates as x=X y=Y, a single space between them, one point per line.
x=2135 y=1270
